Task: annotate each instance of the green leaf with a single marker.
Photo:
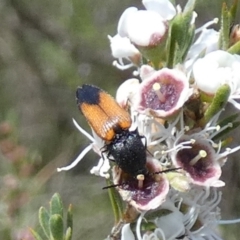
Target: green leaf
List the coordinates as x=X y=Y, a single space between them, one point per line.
x=228 y=119
x=56 y=206
x=225 y=27
x=145 y=226
x=220 y=135
x=233 y=10
x=44 y=221
x=218 y=103
x=35 y=234
x=234 y=49
x=190 y=6
x=70 y=217
x=156 y=55
x=148 y=226
x=189 y=40
x=68 y=234
x=180 y=37
x=177 y=57
x=205 y=97
x=116 y=202
x=51 y=224
x=158 y=213
x=56 y=227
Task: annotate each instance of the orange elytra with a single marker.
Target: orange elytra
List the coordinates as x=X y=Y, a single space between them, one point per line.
x=102 y=112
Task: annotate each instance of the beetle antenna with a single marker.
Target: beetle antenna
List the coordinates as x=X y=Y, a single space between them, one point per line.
x=113 y=185
x=167 y=170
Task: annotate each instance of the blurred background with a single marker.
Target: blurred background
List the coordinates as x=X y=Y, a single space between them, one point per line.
x=47 y=49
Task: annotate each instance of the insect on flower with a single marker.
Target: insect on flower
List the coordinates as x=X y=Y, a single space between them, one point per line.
x=111 y=123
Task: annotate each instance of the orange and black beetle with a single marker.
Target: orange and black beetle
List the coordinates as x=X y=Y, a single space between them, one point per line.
x=112 y=123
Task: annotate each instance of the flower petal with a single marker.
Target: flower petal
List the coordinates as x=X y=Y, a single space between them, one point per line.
x=122 y=23
x=163 y=7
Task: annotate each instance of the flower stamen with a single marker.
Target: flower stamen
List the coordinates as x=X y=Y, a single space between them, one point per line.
x=140 y=179
x=156 y=87
x=220 y=129
x=77 y=160
x=121 y=66
x=206 y=25
x=180 y=146
x=201 y=154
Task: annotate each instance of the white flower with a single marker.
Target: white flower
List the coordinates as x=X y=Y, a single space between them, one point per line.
x=190 y=215
x=97 y=144
x=140 y=28
x=173 y=230
x=163 y=7
x=122 y=48
x=205 y=43
x=214 y=70
x=127 y=233
x=126 y=92
x=201 y=214
x=146 y=27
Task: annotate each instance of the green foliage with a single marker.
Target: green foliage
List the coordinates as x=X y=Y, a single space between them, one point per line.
x=47 y=49
x=225 y=26
x=52 y=221
x=230 y=121
x=117 y=204
x=227 y=20
x=235 y=49
x=219 y=101
x=181 y=34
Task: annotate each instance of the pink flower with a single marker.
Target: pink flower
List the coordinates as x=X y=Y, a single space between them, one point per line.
x=199 y=160
x=145 y=194
x=162 y=93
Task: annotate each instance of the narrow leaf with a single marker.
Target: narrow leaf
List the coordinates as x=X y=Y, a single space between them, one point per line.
x=68 y=234
x=56 y=227
x=56 y=206
x=228 y=119
x=219 y=136
x=177 y=55
x=225 y=27
x=35 y=234
x=189 y=41
x=235 y=49
x=233 y=10
x=219 y=101
x=115 y=203
x=70 y=217
x=44 y=221
x=180 y=38
x=190 y=6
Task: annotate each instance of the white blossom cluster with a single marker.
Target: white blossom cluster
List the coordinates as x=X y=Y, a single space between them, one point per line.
x=183 y=79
